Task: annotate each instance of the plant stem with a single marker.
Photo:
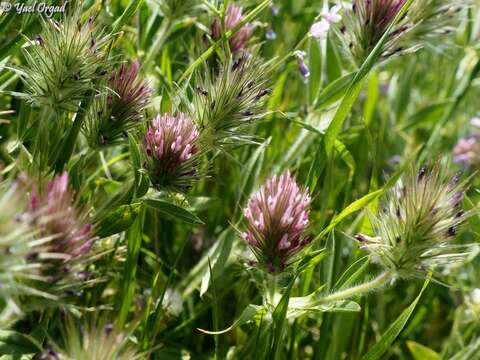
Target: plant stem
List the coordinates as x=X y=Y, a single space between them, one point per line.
x=373 y=284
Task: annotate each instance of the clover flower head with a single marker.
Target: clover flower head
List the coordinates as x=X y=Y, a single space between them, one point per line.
x=58 y=217
x=120 y=110
x=233 y=16
x=171 y=150
x=276 y=220
x=419 y=220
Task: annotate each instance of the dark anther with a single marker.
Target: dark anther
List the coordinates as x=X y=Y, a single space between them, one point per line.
x=421 y=173
x=262 y=93
x=202 y=91
x=452 y=231
x=39 y=40
x=360 y=238
x=108 y=328
x=32 y=256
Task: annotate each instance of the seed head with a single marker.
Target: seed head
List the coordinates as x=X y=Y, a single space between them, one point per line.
x=233 y=16
x=367 y=21
x=276 y=220
x=65 y=64
x=172 y=152
x=93 y=340
x=420 y=219
x=120 y=110
x=229 y=100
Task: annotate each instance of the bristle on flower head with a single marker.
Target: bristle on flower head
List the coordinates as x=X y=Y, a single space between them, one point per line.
x=120 y=109
x=420 y=218
x=233 y=16
x=276 y=220
x=171 y=152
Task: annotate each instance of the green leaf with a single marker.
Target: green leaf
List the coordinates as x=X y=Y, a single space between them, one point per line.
x=356 y=85
x=134 y=242
x=173 y=211
x=219 y=259
x=352 y=208
x=279 y=317
x=311 y=259
x=252 y=313
x=14 y=343
x=381 y=347
x=427 y=114
x=118 y=220
x=372 y=98
x=127 y=15
x=305 y=305
x=420 y=352
x=134 y=153
x=334 y=91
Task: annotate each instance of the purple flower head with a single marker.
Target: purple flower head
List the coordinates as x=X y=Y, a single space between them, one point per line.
x=467 y=151
x=57 y=216
x=233 y=16
x=114 y=114
x=276 y=220
x=132 y=94
x=171 y=148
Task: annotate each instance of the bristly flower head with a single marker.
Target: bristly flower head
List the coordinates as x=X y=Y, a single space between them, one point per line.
x=96 y=340
x=57 y=216
x=64 y=63
x=120 y=110
x=367 y=21
x=418 y=223
x=17 y=275
x=172 y=152
x=467 y=151
x=276 y=220
x=233 y=17
x=226 y=103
